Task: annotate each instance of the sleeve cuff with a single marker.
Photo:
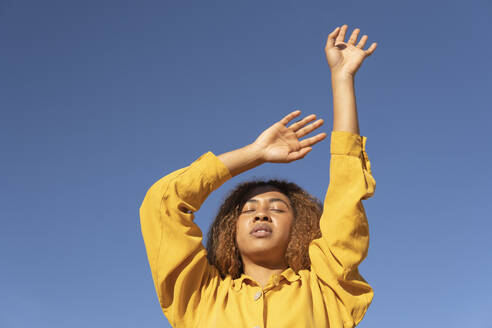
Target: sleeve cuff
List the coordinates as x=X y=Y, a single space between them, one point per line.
x=347 y=143
x=212 y=170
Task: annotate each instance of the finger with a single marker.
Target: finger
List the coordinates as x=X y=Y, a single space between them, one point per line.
x=297 y=125
x=341 y=35
x=330 y=43
x=313 y=140
x=353 y=36
x=362 y=42
x=295 y=155
x=309 y=128
x=371 y=49
x=290 y=117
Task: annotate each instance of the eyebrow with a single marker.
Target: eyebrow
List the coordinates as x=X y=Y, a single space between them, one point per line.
x=271 y=200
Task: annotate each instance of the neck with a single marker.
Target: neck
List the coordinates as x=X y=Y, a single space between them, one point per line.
x=261 y=273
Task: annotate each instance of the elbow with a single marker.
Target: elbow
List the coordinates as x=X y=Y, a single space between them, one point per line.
x=370 y=185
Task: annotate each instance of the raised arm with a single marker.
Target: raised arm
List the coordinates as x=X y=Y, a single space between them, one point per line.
x=335 y=256
x=344 y=59
x=173 y=241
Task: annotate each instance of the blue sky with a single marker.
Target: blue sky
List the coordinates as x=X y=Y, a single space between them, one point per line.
x=99 y=99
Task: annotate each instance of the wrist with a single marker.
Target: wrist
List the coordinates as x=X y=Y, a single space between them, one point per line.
x=255 y=153
x=242 y=159
x=341 y=77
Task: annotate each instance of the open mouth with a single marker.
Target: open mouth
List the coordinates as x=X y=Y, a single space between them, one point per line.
x=262 y=230
x=261 y=233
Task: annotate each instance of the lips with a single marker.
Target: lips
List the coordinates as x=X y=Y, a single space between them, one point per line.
x=261 y=230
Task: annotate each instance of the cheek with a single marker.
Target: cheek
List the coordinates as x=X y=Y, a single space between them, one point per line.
x=241 y=230
x=287 y=227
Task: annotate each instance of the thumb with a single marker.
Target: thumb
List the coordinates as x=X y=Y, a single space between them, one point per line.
x=296 y=155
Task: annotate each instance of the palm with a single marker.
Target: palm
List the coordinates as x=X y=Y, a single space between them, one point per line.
x=282 y=144
x=277 y=142
x=346 y=57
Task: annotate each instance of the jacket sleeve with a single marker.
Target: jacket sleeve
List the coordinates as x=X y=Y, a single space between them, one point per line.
x=173 y=241
x=344 y=228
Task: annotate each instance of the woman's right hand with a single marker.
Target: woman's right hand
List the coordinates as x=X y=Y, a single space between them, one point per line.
x=281 y=143
x=277 y=144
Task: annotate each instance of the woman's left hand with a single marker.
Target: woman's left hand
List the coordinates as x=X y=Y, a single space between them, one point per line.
x=345 y=58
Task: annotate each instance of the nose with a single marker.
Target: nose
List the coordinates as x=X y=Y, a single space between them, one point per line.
x=262 y=218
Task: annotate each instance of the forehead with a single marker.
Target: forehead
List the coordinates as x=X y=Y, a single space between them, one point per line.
x=266 y=192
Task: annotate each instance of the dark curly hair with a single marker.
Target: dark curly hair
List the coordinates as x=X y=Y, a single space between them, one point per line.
x=222 y=249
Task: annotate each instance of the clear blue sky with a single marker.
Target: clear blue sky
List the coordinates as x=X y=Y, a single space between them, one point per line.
x=99 y=99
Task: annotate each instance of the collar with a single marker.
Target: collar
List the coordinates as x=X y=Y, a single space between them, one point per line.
x=288 y=274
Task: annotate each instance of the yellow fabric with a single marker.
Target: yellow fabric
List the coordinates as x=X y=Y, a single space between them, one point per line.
x=191 y=292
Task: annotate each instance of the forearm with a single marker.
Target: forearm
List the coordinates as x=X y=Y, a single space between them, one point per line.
x=344 y=104
x=242 y=159
x=343 y=224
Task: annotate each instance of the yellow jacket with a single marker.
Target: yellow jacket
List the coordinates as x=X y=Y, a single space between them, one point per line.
x=192 y=293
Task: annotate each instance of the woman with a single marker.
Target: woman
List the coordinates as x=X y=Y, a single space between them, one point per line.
x=270 y=263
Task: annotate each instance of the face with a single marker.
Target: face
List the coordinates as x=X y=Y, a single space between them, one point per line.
x=263 y=226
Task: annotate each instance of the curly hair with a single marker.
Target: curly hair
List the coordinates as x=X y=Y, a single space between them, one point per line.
x=222 y=249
